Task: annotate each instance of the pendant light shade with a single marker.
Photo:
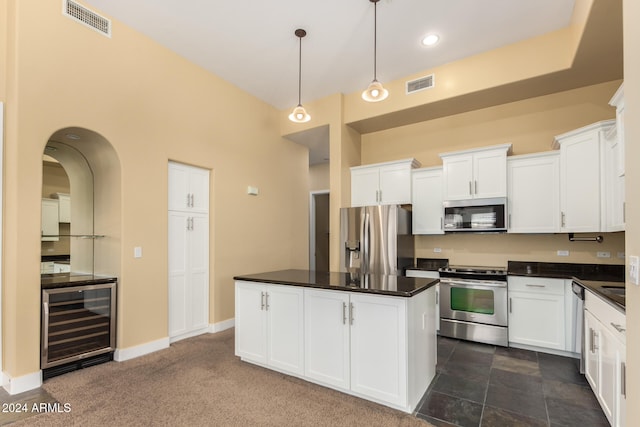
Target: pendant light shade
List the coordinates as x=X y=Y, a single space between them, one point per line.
x=299 y=114
x=375 y=92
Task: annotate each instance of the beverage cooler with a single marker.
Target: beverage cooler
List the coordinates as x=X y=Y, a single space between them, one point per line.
x=78 y=326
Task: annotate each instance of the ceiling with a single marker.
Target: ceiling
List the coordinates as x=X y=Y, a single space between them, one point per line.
x=251 y=43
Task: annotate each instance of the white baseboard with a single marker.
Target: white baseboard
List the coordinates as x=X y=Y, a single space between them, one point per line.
x=123 y=354
x=222 y=326
x=21 y=384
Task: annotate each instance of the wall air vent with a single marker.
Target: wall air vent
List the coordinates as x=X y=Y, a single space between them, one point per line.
x=422 y=83
x=87 y=17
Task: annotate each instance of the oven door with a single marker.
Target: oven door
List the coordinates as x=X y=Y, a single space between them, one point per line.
x=478 y=301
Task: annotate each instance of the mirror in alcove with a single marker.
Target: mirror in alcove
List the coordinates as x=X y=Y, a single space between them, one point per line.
x=67 y=211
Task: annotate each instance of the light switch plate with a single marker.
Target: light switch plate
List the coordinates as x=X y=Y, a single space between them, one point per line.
x=137 y=252
x=634 y=265
x=563 y=253
x=603 y=254
x=437 y=250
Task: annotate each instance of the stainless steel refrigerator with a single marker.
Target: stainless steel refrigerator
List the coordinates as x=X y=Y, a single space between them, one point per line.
x=376 y=240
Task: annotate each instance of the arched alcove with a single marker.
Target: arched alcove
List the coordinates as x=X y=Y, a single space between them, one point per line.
x=93 y=171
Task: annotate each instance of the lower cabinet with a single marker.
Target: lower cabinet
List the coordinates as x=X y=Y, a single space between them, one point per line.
x=605 y=356
x=537 y=312
x=380 y=348
x=269 y=325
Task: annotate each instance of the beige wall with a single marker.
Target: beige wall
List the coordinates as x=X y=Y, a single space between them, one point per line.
x=632 y=176
x=319 y=177
x=151 y=106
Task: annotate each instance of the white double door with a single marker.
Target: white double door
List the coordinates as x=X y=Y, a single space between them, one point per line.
x=188 y=241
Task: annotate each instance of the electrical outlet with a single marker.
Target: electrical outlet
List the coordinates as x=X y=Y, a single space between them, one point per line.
x=437 y=250
x=621 y=255
x=634 y=265
x=603 y=254
x=563 y=253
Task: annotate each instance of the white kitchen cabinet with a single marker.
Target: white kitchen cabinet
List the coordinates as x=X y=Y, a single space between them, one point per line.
x=381 y=348
x=614 y=197
x=188 y=188
x=430 y=275
x=605 y=358
x=618 y=101
x=534 y=193
x=269 y=325
x=61 y=268
x=327 y=337
x=382 y=183
x=427 y=201
x=582 y=177
x=476 y=174
x=537 y=312
x=188 y=257
x=64 y=207
x=50 y=225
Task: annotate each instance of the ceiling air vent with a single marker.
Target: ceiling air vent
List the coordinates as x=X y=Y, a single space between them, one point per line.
x=422 y=83
x=87 y=17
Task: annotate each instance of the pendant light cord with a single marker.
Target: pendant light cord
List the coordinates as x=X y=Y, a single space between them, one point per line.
x=300 y=72
x=375 y=41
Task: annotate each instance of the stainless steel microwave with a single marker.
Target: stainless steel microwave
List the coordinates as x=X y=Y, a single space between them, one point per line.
x=476 y=215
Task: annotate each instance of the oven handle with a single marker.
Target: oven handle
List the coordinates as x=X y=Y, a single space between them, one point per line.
x=473 y=284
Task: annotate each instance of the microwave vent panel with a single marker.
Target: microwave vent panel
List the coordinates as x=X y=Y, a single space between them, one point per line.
x=87 y=17
x=422 y=83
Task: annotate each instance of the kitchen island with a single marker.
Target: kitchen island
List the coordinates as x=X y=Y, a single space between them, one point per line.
x=371 y=336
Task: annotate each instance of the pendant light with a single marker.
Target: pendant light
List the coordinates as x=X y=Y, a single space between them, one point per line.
x=299 y=114
x=375 y=92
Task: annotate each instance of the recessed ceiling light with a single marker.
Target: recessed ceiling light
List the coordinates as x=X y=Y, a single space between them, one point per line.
x=72 y=136
x=430 y=39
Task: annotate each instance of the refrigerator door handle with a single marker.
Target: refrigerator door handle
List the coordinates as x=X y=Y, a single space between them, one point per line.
x=365 y=243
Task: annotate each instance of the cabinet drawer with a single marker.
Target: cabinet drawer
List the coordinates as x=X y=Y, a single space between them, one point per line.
x=536 y=284
x=607 y=314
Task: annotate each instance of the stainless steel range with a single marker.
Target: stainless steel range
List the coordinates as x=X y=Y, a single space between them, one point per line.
x=473 y=304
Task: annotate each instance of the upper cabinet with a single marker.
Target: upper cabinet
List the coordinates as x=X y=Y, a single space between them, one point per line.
x=582 y=175
x=534 y=193
x=382 y=183
x=188 y=188
x=427 y=201
x=475 y=174
x=50 y=225
x=64 y=207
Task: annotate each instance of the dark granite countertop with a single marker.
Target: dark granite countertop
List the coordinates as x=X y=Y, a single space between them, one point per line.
x=63 y=280
x=595 y=277
x=398 y=286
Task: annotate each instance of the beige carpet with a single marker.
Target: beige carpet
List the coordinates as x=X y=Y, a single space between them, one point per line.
x=199 y=382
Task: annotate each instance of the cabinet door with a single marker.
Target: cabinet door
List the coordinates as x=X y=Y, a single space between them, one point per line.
x=534 y=194
x=326 y=324
x=620 y=415
x=537 y=319
x=365 y=186
x=395 y=185
x=178 y=261
x=490 y=174
x=251 y=322
x=427 y=202
x=378 y=348
x=50 y=225
x=458 y=177
x=580 y=183
x=64 y=208
x=284 y=308
x=199 y=189
x=198 y=290
x=607 y=371
x=591 y=344
x=179 y=198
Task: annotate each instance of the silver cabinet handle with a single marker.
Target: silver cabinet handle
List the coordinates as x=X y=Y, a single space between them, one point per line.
x=470 y=189
x=266 y=299
x=261 y=300
x=618 y=327
x=188 y=200
x=623 y=379
x=475 y=186
x=192 y=200
x=510 y=305
x=531 y=285
x=437 y=298
x=351 y=313
x=344 y=313
x=562 y=223
x=45 y=330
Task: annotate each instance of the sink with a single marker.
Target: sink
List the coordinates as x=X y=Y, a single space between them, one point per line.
x=614 y=290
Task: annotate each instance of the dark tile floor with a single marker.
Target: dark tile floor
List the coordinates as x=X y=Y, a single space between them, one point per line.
x=484 y=385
